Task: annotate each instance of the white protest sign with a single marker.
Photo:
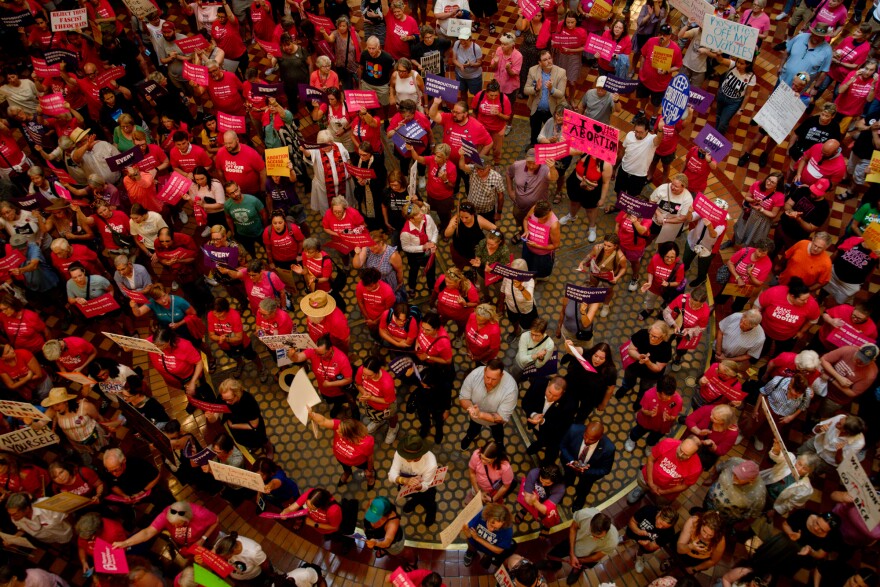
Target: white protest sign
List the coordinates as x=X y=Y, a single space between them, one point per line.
x=69 y=20
x=21 y=410
x=297 y=340
x=131 y=343
x=14 y=540
x=860 y=488
x=775 y=429
x=456 y=25
x=780 y=112
x=236 y=476
x=503 y=577
x=439 y=477
x=449 y=533
x=140 y=8
x=28 y=439
x=729 y=37
x=302 y=396
x=695 y=10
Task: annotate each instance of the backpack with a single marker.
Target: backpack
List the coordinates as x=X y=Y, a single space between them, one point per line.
x=414 y=313
x=340 y=277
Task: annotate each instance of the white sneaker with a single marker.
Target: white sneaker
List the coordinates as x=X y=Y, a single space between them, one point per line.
x=566 y=219
x=175 y=286
x=603 y=313
x=759 y=446
x=372 y=426
x=640 y=565
x=270 y=70
x=633 y=285
x=206 y=232
x=739 y=438
x=211 y=282
x=184 y=217
x=391 y=434
x=508 y=130
x=781 y=16
x=591 y=236
x=629 y=445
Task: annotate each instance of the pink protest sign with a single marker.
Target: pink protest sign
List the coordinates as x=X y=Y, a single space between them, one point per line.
x=528 y=8
x=565 y=40
x=322 y=23
x=708 y=210
x=192 y=44
x=356 y=239
x=108 y=559
x=44 y=70
x=174 y=188
x=551 y=152
x=61 y=174
x=297 y=514
x=11 y=261
x=588 y=366
x=98 y=306
x=208 y=406
x=52 y=104
x=357 y=99
x=230 y=122
x=716 y=386
x=591 y=136
x=270 y=48
x=625 y=359
x=399 y=578
x=846 y=335
x=197 y=74
x=135 y=296
x=360 y=172
x=604 y=48
x=109 y=75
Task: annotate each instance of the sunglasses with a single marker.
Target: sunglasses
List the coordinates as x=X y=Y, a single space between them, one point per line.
x=177 y=512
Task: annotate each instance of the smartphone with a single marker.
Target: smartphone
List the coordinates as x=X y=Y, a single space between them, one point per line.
x=701 y=155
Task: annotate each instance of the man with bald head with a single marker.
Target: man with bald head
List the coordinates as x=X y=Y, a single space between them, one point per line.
x=587 y=456
x=241 y=164
x=822 y=161
x=672 y=467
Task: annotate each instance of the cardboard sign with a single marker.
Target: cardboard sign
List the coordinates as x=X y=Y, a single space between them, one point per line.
x=635 y=206
x=108 y=559
x=357 y=99
x=762 y=400
x=604 y=48
x=601 y=10
x=442 y=87
x=77 y=377
x=700 y=100
x=208 y=406
x=322 y=23
x=235 y=476
x=454 y=27
x=21 y=410
x=128 y=159
x=780 y=113
x=206 y=578
x=591 y=136
x=675 y=99
x=64 y=503
x=302 y=396
x=69 y=20
x=360 y=172
x=860 y=488
x=551 y=152
x=135 y=296
x=44 y=70
x=528 y=8
x=713 y=142
x=716 y=386
x=586 y=295
x=98 y=306
x=28 y=439
x=565 y=40
x=192 y=44
x=130 y=343
x=197 y=74
x=450 y=532
x=175 y=186
x=53 y=104
x=846 y=335
x=707 y=209
x=580 y=358
x=278 y=162
x=296 y=340
x=661 y=58
x=729 y=37
x=230 y=122
x=309 y=94
x=110 y=75
x=210 y=559
x=140 y=8
x=399 y=578
x=439 y=477
x=695 y=10
x=13 y=540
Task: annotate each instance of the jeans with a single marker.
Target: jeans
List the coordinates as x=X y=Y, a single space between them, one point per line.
x=789 y=6
x=621 y=66
x=726 y=109
x=703 y=264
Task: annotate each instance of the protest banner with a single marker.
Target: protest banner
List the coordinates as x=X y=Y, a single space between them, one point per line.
x=110 y=74
x=77 y=377
x=18 y=19
x=357 y=99
x=199 y=458
x=354 y=239
x=580 y=358
x=21 y=410
x=441 y=87
x=586 y=295
x=150 y=88
x=591 y=136
x=135 y=296
x=322 y=23
x=206 y=578
x=15 y=540
x=847 y=335
x=209 y=407
x=716 y=386
x=360 y=172
x=502 y=577
x=140 y=8
x=707 y=209
x=210 y=559
x=873 y=175
x=604 y=48
x=44 y=70
x=235 y=476
x=148 y=430
x=456 y=25
x=191 y=44
x=64 y=502
x=635 y=206
x=470 y=152
x=528 y=8
x=28 y=439
x=108 y=387
x=126 y=159
x=197 y=74
x=700 y=100
x=695 y=10
x=308 y=94
x=729 y=37
x=278 y=161
x=270 y=47
x=98 y=306
x=108 y=559
x=450 y=532
x=546 y=370
x=174 y=188
x=551 y=152
x=661 y=58
x=301 y=513
x=675 y=99
x=131 y=343
x=871 y=236
x=713 y=142
x=296 y=340
x=230 y=122
x=600 y=10
x=775 y=429
x=565 y=40
x=302 y=396
x=780 y=113
x=69 y=20
x=399 y=578
x=439 y=477
x=53 y=104
x=860 y=488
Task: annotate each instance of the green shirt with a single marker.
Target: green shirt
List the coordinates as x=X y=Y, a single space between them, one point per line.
x=246 y=215
x=866 y=215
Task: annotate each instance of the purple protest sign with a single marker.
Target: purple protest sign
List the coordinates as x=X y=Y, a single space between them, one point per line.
x=226 y=256
x=713 y=142
x=268 y=89
x=411 y=132
x=510 y=273
x=470 y=152
x=127 y=159
x=604 y=48
x=635 y=206
x=586 y=295
x=551 y=152
x=707 y=209
x=19 y=19
x=618 y=85
x=308 y=93
x=357 y=99
x=804 y=205
x=441 y=87
x=700 y=100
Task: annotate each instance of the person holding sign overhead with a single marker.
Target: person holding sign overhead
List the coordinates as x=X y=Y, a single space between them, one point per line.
x=656 y=71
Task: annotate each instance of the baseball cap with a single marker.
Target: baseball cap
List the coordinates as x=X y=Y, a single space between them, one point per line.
x=464 y=34
x=600 y=83
x=867 y=353
x=378 y=508
x=530 y=155
x=820 y=187
x=665 y=29
x=167 y=27
x=746 y=471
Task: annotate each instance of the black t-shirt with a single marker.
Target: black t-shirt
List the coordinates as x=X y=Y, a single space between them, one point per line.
x=646 y=518
x=244 y=411
x=810 y=133
x=395 y=202
x=660 y=353
x=817 y=216
x=137 y=474
x=864 y=145
x=798 y=522
x=333 y=9
x=377 y=72
x=431 y=58
x=855 y=265
x=294 y=68
x=152 y=410
x=372 y=6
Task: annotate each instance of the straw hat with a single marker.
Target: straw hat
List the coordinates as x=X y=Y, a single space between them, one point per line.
x=58 y=204
x=317 y=304
x=57 y=395
x=79 y=134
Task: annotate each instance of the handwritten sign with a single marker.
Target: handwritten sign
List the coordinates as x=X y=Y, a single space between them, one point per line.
x=455 y=26
x=591 y=136
x=695 y=10
x=302 y=396
x=174 y=188
x=235 y=476
x=439 y=477
x=360 y=172
x=357 y=99
x=133 y=344
x=707 y=209
x=729 y=37
x=528 y=8
x=713 y=142
x=780 y=113
x=109 y=559
x=503 y=577
x=600 y=10
x=635 y=206
x=675 y=99
x=450 y=532
x=140 y=8
x=661 y=58
x=64 y=503
x=192 y=44
x=296 y=340
x=69 y=20
x=700 y=100
x=441 y=87
x=847 y=335
x=21 y=410
x=15 y=540
x=197 y=74
x=860 y=488
x=617 y=85
x=128 y=159
x=230 y=122
x=551 y=152
x=311 y=94
x=586 y=295
x=604 y=48
x=28 y=439
x=53 y=104
x=278 y=162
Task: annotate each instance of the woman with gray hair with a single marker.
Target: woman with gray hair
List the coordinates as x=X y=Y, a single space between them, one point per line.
x=482 y=334
x=330 y=176
x=518 y=299
x=88 y=529
x=188 y=524
x=347 y=51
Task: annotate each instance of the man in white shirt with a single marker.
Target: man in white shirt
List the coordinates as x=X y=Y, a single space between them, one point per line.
x=489 y=396
x=414 y=467
x=835 y=439
x=44 y=525
x=636 y=153
x=740 y=337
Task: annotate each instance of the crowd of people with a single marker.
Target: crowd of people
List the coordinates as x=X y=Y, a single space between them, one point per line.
x=136 y=201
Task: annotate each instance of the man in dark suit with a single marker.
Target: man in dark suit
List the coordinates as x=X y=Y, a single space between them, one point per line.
x=548 y=415
x=587 y=456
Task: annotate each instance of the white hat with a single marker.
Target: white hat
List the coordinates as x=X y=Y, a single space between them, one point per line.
x=600 y=83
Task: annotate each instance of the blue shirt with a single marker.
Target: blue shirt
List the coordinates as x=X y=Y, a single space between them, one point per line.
x=803 y=58
x=503 y=538
x=164 y=315
x=544 y=104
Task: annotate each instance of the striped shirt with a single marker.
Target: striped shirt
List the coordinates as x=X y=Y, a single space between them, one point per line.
x=777 y=396
x=735 y=342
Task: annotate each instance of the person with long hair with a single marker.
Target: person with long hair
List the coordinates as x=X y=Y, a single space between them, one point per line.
x=619 y=63
x=495 y=111
x=569 y=58
x=180 y=365
x=280 y=489
x=762 y=207
x=749 y=268
x=606 y=265
x=333 y=115
x=79 y=419
x=587 y=187
x=22 y=374
x=701 y=542
x=455 y=297
x=324 y=513
x=490 y=473
x=733 y=89
x=432 y=397
x=465 y=231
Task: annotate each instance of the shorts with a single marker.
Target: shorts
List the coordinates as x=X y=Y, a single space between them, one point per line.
x=383 y=93
x=858 y=168
x=802 y=13
x=630 y=184
x=473 y=85
x=642 y=91
x=666 y=160
x=632 y=255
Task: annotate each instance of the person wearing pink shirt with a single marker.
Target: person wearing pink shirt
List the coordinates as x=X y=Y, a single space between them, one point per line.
x=855 y=92
x=494 y=109
x=507 y=64
x=458 y=125
x=756 y=17
x=849 y=55
x=749 y=268
x=401 y=29
x=225 y=32
x=333 y=373
x=225 y=90
x=482 y=334
x=374 y=297
x=185 y=156
x=324 y=318
x=376 y=393
x=845 y=316
x=618 y=65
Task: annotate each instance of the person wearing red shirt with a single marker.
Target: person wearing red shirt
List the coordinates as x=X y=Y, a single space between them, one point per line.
x=697 y=167
x=717 y=429
x=711 y=391
x=260 y=284
x=822 y=161
x=374 y=297
x=64 y=254
x=21 y=373
x=749 y=268
x=652 y=80
x=324 y=318
x=660 y=407
x=91 y=90
x=108 y=222
x=693 y=312
x=665 y=273
x=441 y=175
x=89 y=528
x=180 y=365
x=283 y=242
x=340 y=220
x=671 y=469
x=141 y=188
x=324 y=514
x=317 y=268
x=71 y=353
x=456 y=297
x=272 y=320
x=23 y=328
x=241 y=164
x=432 y=396
x=225 y=31
x=41 y=36
x=154 y=160
x=401 y=31
x=398 y=327
x=352 y=446
x=787 y=313
x=844 y=317
x=406 y=112
x=482 y=334
x=458 y=125
x=856 y=91
x=102 y=13
x=789 y=364
x=185 y=156
x=332 y=371
x=177 y=255
x=622 y=46
x=225 y=90
x=261 y=16
x=225 y=328
x=494 y=111
x=376 y=392
x=633 y=235
x=366 y=128
x=70 y=478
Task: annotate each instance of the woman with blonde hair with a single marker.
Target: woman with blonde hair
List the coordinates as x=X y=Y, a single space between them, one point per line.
x=382 y=256
x=352 y=446
x=123 y=134
x=490 y=533
x=482 y=334
x=518 y=299
x=455 y=297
